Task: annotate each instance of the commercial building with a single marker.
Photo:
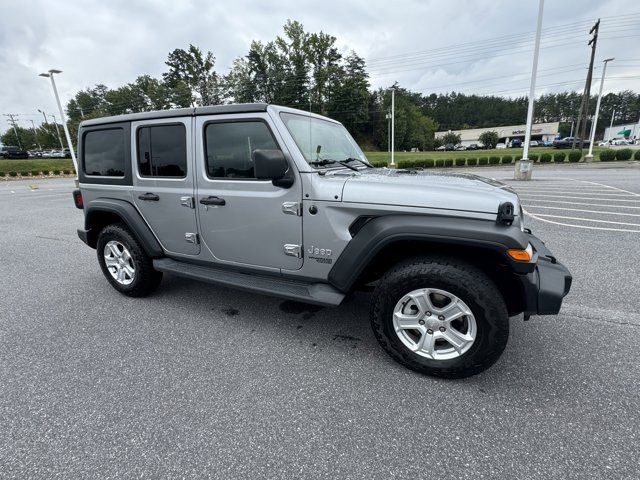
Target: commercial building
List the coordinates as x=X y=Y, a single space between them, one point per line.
x=629 y=131
x=539 y=132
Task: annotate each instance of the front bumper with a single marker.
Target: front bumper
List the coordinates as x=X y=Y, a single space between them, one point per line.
x=547 y=285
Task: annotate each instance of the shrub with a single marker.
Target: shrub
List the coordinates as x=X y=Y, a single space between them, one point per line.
x=35 y=173
x=506 y=159
x=636 y=156
x=472 y=161
x=545 y=158
x=494 y=160
x=13 y=174
x=428 y=163
x=25 y=173
x=448 y=162
x=575 y=156
x=460 y=162
x=607 y=155
x=405 y=163
x=375 y=163
x=559 y=157
x=534 y=157
x=483 y=161
x=2 y=174
x=439 y=163
x=624 y=154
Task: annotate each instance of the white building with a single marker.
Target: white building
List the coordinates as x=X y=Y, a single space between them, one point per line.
x=539 y=131
x=630 y=131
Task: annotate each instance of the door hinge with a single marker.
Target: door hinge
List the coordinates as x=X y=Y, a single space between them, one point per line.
x=293 y=250
x=187 y=202
x=292 y=208
x=192 y=238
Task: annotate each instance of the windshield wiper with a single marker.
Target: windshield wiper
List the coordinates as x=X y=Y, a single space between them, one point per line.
x=352 y=159
x=327 y=161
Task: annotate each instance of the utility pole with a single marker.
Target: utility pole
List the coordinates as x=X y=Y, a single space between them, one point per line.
x=589 y=157
x=393 y=126
x=35 y=134
x=524 y=166
x=81 y=112
x=12 y=121
x=584 y=105
x=388 y=118
x=55 y=122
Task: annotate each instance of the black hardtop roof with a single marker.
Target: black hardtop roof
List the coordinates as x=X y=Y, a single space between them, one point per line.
x=179 y=112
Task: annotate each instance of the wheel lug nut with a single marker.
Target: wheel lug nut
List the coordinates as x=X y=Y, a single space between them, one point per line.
x=428 y=314
x=429 y=331
x=421 y=322
x=441 y=317
x=442 y=329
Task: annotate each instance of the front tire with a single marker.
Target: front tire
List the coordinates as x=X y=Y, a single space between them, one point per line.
x=440 y=316
x=124 y=262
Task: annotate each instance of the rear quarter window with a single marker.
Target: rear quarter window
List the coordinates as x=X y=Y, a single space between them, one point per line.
x=104 y=152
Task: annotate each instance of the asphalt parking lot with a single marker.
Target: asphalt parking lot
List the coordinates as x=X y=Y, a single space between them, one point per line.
x=201 y=381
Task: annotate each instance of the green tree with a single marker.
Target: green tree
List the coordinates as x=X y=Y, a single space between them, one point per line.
x=451 y=137
x=489 y=138
x=195 y=70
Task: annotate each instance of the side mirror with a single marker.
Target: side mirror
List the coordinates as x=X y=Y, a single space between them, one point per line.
x=272 y=165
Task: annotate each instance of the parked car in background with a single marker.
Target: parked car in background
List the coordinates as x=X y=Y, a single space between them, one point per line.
x=501 y=146
x=473 y=146
x=35 y=153
x=515 y=143
x=66 y=153
x=460 y=147
x=10 y=151
x=449 y=147
x=546 y=143
x=567 y=142
x=534 y=143
x=620 y=141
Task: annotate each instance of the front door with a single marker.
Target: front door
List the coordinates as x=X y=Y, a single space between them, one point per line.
x=163 y=181
x=243 y=220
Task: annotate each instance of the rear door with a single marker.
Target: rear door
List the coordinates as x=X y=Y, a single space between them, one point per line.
x=163 y=181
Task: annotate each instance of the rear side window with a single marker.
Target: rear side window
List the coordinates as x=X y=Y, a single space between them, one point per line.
x=229 y=147
x=162 y=151
x=103 y=152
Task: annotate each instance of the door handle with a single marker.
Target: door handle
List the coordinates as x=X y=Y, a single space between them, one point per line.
x=150 y=197
x=212 y=201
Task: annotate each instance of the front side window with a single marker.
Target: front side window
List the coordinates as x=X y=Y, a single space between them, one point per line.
x=320 y=139
x=103 y=152
x=162 y=151
x=229 y=146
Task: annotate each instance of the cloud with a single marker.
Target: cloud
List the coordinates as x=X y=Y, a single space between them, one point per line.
x=112 y=42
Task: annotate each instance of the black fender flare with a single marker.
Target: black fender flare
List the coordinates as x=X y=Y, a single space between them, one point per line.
x=381 y=231
x=129 y=216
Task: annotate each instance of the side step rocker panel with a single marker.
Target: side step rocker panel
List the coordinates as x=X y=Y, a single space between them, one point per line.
x=316 y=293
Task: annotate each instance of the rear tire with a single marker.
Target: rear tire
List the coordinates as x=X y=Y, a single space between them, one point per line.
x=124 y=262
x=455 y=301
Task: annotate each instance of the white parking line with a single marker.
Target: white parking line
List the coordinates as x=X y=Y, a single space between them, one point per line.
x=580 y=198
x=582 y=210
x=588 y=220
x=582 y=203
x=586 y=227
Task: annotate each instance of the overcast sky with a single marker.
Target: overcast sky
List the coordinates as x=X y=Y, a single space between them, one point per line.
x=471 y=46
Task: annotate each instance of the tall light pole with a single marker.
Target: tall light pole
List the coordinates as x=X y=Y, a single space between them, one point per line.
x=50 y=75
x=393 y=126
x=55 y=123
x=589 y=157
x=44 y=115
x=35 y=134
x=524 y=166
x=613 y=115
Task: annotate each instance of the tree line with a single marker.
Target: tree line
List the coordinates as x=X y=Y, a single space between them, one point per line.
x=306 y=70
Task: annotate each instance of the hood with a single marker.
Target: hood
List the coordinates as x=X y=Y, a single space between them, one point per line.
x=452 y=191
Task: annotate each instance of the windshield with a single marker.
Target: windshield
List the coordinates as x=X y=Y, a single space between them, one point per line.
x=320 y=139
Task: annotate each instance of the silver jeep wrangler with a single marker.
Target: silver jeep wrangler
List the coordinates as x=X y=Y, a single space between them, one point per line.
x=283 y=202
